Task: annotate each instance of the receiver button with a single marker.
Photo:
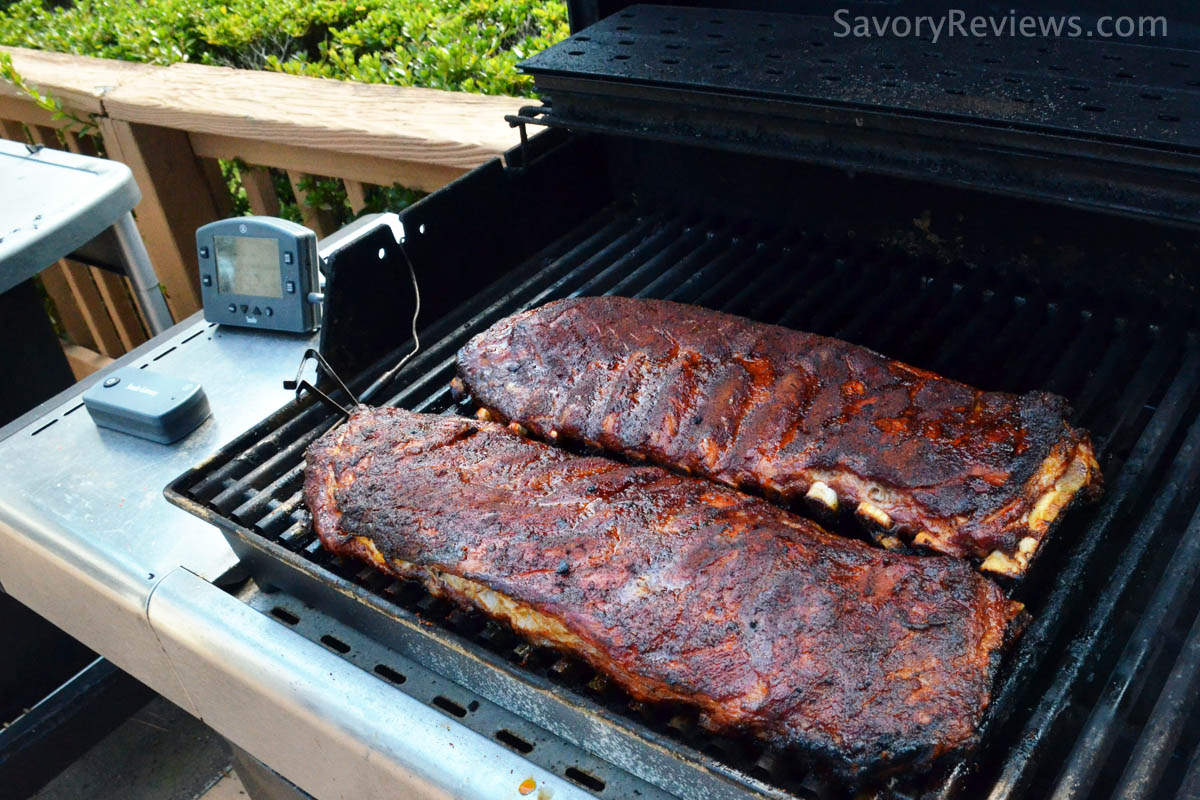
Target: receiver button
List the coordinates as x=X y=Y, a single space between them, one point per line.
x=290 y=286
x=270 y=312
x=232 y=308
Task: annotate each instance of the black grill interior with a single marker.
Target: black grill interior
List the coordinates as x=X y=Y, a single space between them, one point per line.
x=1111 y=596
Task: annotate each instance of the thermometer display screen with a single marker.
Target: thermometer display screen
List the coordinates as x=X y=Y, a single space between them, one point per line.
x=248 y=265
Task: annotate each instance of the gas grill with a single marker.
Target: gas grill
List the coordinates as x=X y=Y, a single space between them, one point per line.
x=760 y=218
x=916 y=205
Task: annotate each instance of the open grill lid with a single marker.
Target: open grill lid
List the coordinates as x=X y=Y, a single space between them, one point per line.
x=1095 y=122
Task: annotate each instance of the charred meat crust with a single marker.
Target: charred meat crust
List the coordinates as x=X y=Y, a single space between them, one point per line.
x=791 y=416
x=674 y=587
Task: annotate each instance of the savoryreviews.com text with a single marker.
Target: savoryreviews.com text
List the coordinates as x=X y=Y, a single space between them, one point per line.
x=958 y=23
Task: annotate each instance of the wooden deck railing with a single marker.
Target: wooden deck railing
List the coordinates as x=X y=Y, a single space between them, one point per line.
x=171 y=125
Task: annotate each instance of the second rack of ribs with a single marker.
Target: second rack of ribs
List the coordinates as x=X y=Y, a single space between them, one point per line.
x=676 y=588
x=792 y=415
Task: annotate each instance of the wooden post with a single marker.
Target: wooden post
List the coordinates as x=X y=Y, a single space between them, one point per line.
x=91 y=306
x=84 y=361
x=121 y=310
x=54 y=281
x=218 y=189
x=356 y=194
x=319 y=219
x=84 y=145
x=46 y=136
x=260 y=191
x=176 y=199
x=12 y=130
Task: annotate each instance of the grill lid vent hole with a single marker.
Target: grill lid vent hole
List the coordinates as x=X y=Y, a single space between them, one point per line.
x=584 y=779
x=284 y=615
x=515 y=742
x=334 y=643
x=449 y=706
x=389 y=674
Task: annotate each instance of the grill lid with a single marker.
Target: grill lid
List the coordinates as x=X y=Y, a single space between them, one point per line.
x=1118 y=118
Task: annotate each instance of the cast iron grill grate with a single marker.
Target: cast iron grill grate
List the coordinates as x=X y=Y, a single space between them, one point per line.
x=1078 y=689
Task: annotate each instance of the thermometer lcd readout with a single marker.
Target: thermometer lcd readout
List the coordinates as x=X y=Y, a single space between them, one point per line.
x=258 y=272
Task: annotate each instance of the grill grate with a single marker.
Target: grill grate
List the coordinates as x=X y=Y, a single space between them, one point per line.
x=1110 y=620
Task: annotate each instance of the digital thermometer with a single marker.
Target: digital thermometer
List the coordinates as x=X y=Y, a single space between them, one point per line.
x=259 y=272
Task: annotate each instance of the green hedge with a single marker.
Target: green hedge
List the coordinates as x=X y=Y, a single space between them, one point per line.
x=462 y=45
x=443 y=44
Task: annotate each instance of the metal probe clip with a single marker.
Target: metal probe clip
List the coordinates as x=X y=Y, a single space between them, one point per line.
x=345 y=238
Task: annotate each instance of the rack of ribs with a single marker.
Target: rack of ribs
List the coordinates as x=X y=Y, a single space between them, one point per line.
x=791 y=416
x=676 y=588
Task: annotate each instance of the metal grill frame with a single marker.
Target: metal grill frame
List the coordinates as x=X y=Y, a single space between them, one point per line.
x=632 y=250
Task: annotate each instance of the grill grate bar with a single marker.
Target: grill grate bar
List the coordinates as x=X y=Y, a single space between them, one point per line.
x=936 y=291
x=615 y=269
x=721 y=272
x=966 y=298
x=711 y=251
x=1062 y=324
x=1016 y=771
x=1157 y=741
x=670 y=244
x=787 y=270
x=1064 y=376
x=758 y=299
x=1096 y=739
x=1190 y=788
